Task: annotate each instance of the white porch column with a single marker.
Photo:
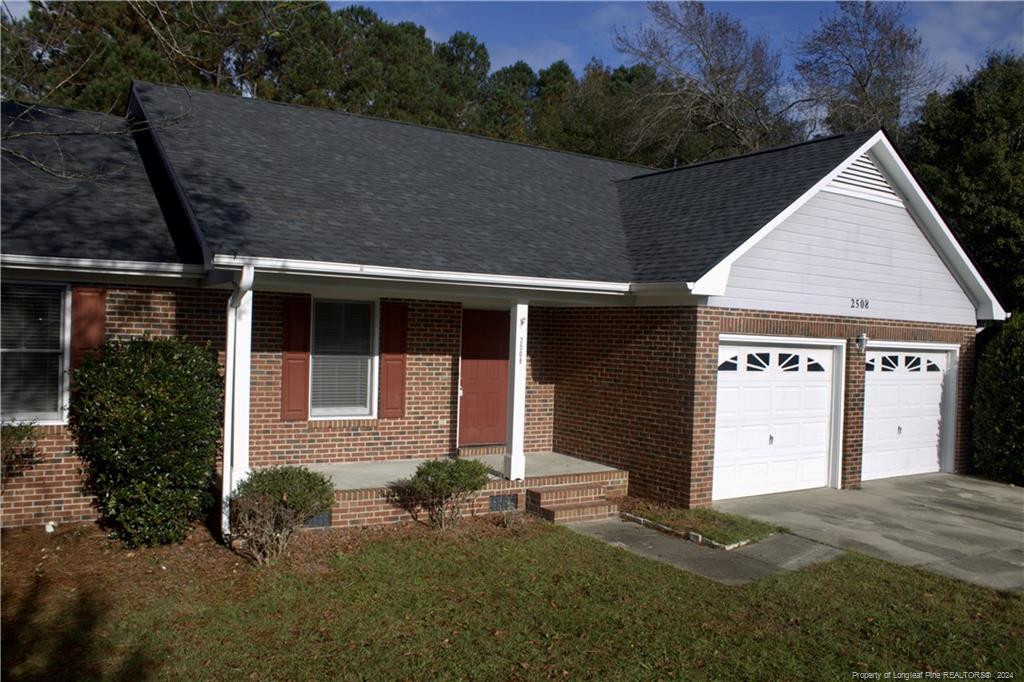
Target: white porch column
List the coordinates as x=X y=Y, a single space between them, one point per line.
x=238 y=366
x=515 y=460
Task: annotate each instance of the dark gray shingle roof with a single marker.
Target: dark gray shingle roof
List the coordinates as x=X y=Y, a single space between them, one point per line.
x=680 y=223
x=273 y=180
x=107 y=210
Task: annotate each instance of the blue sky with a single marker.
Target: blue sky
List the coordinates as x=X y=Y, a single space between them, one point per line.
x=955 y=33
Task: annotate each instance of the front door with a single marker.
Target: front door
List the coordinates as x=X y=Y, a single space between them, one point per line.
x=483 y=407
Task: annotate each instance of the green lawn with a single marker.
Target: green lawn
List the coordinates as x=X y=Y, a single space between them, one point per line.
x=725 y=529
x=531 y=602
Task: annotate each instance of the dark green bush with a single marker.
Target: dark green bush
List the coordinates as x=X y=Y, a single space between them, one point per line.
x=146 y=418
x=999 y=406
x=443 y=486
x=271 y=504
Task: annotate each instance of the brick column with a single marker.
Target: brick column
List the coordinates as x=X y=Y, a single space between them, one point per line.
x=853 y=416
x=702 y=414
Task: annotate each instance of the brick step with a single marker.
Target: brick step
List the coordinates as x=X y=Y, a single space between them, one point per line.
x=571 y=512
x=572 y=492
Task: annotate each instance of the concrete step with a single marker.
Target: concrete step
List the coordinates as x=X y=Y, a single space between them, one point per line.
x=572 y=492
x=571 y=512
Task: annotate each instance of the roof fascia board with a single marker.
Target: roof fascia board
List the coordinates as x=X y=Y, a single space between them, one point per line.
x=137 y=115
x=713 y=282
x=986 y=305
x=101 y=267
x=357 y=271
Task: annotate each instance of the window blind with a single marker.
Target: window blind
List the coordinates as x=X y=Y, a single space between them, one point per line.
x=342 y=358
x=31 y=335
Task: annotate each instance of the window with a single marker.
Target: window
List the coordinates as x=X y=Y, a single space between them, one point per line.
x=815 y=366
x=758 y=362
x=912 y=363
x=729 y=365
x=890 y=363
x=343 y=359
x=33 y=352
x=789 y=362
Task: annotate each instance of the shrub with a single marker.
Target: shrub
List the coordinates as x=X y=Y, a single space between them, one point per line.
x=999 y=405
x=146 y=418
x=442 y=487
x=271 y=504
x=17 y=445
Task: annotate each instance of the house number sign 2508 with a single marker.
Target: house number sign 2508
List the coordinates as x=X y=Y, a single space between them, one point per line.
x=861 y=303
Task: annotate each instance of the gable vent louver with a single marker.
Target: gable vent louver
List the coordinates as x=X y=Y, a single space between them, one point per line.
x=863 y=177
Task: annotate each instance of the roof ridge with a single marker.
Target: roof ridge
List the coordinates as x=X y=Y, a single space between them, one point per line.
x=750 y=154
x=381 y=119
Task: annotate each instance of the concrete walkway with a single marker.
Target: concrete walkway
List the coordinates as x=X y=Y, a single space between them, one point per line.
x=957 y=526
x=778 y=553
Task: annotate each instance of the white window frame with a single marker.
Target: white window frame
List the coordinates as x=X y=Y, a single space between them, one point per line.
x=838 y=397
x=60 y=418
x=374 y=359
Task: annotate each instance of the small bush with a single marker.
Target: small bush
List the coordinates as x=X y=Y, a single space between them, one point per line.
x=271 y=504
x=999 y=405
x=146 y=418
x=17 y=445
x=442 y=487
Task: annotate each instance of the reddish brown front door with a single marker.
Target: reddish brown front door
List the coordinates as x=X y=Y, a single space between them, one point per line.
x=483 y=408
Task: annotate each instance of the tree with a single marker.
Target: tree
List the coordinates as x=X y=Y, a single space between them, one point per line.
x=968 y=152
x=714 y=82
x=864 y=69
x=509 y=98
x=464 y=63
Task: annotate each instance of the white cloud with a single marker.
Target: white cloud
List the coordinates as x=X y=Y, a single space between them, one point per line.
x=958 y=34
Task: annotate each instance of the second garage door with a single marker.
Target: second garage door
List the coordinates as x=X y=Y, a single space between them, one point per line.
x=902 y=413
x=773 y=420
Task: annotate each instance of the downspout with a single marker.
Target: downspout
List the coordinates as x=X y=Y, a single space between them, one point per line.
x=240 y=303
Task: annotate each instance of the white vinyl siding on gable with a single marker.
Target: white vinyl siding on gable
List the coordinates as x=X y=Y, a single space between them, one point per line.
x=848 y=255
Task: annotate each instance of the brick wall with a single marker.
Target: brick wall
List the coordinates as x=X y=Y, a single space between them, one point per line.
x=636 y=388
x=51 y=487
x=427 y=430
x=623 y=392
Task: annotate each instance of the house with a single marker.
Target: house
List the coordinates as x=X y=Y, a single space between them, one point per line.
x=381 y=293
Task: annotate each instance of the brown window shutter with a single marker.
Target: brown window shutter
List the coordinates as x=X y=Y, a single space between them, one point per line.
x=88 y=321
x=394 y=317
x=295 y=359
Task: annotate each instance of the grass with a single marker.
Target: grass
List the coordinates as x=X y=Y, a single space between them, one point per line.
x=725 y=529
x=531 y=602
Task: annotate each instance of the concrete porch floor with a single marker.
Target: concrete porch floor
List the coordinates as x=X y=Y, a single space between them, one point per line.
x=362 y=475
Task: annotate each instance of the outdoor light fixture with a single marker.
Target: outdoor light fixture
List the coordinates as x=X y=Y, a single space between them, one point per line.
x=862 y=342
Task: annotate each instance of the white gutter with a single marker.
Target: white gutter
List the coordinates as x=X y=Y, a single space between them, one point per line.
x=307 y=267
x=99 y=266
x=237 y=368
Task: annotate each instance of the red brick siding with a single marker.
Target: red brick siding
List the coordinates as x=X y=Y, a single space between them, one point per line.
x=636 y=388
x=426 y=430
x=624 y=385
x=51 y=489
x=541 y=365
x=373 y=507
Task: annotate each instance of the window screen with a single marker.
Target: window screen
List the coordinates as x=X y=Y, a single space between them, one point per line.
x=342 y=358
x=31 y=335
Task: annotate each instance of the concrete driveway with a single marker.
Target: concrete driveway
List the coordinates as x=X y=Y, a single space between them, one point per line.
x=957 y=526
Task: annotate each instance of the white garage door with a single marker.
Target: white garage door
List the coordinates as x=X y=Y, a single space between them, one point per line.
x=902 y=413
x=773 y=421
